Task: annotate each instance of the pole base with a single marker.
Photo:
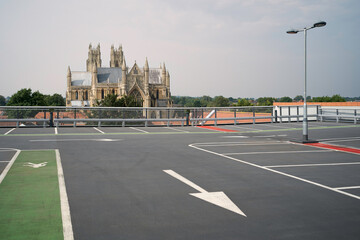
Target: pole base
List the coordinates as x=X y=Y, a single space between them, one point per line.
x=304 y=141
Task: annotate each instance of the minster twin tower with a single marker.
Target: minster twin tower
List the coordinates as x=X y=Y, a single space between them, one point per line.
x=149 y=86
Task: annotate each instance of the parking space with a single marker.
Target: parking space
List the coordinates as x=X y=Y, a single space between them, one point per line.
x=31 y=131
x=76 y=130
x=6 y=130
x=119 y=186
x=5 y=157
x=332 y=169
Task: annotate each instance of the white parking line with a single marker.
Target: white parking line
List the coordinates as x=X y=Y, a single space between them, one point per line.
x=314 y=165
x=4 y=161
x=9 y=131
x=334 y=139
x=8 y=166
x=99 y=130
x=140 y=130
x=179 y=130
x=56 y=130
x=275 y=171
x=276 y=152
x=251 y=129
x=64 y=202
x=344 y=188
x=241 y=144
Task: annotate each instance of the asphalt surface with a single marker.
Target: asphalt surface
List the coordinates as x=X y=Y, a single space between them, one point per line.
x=117 y=188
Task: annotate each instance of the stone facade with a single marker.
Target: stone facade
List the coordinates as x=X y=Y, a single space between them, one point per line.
x=150 y=86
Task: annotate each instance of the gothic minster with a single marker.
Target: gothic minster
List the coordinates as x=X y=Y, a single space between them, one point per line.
x=150 y=86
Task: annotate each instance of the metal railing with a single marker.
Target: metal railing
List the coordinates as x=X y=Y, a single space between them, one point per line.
x=137 y=116
x=340 y=115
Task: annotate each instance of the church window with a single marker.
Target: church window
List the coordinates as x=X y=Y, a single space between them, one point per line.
x=135 y=71
x=76 y=95
x=136 y=94
x=86 y=95
x=113 y=91
x=102 y=94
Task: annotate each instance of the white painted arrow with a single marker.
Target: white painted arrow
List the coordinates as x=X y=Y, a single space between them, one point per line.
x=217 y=198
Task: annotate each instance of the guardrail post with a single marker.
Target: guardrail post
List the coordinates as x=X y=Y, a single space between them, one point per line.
x=123 y=124
x=276 y=116
x=99 y=123
x=337 y=115
x=289 y=111
x=215 y=123
x=235 y=116
x=355 y=120
x=253 y=111
x=297 y=113
x=280 y=114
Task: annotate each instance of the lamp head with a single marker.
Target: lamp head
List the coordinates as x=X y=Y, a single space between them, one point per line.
x=292 y=31
x=319 y=24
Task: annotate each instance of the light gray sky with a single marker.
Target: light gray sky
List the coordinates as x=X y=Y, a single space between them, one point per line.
x=210 y=47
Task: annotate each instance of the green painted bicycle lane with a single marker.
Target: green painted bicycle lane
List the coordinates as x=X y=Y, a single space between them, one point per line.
x=30 y=198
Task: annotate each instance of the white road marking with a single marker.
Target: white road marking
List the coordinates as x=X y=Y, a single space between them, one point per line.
x=241 y=144
x=276 y=126
x=344 y=140
x=56 y=130
x=217 y=198
x=8 y=166
x=4 y=161
x=269 y=136
x=140 y=130
x=99 y=130
x=344 y=188
x=35 y=165
x=234 y=136
x=73 y=140
x=334 y=139
x=314 y=165
x=276 y=152
x=64 y=202
x=7 y=149
x=179 y=130
x=9 y=131
x=278 y=172
x=251 y=129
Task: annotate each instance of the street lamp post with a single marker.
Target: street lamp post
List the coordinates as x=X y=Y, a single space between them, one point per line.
x=294 y=31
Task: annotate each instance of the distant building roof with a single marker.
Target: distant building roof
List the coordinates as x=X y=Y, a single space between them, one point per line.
x=111 y=75
x=80 y=78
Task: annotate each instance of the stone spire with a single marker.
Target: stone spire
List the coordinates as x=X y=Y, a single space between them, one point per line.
x=123 y=76
x=163 y=75
x=146 y=75
x=68 y=72
x=168 y=80
x=146 y=65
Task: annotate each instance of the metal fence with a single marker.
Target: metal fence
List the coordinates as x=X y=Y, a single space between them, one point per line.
x=26 y=116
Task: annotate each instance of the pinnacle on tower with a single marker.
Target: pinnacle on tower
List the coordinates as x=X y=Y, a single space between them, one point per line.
x=164 y=68
x=68 y=72
x=146 y=64
x=98 y=46
x=123 y=65
x=90 y=46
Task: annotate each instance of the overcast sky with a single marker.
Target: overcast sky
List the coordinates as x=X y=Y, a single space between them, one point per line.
x=234 y=48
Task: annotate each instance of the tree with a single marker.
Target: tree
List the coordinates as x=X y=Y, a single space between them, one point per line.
x=220 y=101
x=243 y=102
x=112 y=100
x=54 y=100
x=298 y=98
x=265 y=101
x=2 y=100
x=21 y=98
x=285 y=99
